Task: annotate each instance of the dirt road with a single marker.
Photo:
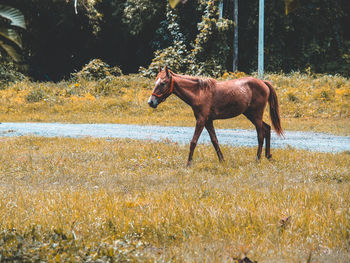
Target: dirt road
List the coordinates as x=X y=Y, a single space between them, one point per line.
x=300 y=140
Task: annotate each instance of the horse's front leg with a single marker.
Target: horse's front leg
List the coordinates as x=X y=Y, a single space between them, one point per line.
x=197 y=133
x=210 y=128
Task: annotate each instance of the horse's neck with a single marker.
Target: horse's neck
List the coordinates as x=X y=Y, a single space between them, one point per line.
x=186 y=88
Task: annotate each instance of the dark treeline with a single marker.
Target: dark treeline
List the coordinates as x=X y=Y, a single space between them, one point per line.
x=126 y=33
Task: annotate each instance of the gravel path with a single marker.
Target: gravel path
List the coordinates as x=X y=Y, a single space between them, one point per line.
x=301 y=140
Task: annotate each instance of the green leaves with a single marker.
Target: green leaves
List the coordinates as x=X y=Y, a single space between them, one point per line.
x=207 y=54
x=291 y=5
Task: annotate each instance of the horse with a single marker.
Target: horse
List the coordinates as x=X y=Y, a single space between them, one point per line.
x=211 y=100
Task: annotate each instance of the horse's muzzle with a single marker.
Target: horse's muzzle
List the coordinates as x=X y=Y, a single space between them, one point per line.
x=152 y=102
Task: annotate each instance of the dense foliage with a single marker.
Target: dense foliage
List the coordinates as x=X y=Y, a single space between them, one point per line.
x=207 y=54
x=133 y=34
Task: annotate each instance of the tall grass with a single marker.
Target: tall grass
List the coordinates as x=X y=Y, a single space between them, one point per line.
x=307 y=102
x=100 y=199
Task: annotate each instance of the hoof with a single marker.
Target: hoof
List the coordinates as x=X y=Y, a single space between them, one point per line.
x=269 y=157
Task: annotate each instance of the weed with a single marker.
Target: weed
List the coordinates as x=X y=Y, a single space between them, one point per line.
x=35 y=95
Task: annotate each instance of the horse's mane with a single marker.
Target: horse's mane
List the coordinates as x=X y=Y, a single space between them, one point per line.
x=203 y=83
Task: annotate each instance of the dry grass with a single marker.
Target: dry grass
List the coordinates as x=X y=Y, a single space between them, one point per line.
x=87 y=199
x=98 y=199
x=307 y=102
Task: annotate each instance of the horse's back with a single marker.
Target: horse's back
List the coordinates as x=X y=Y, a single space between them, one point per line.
x=243 y=87
x=251 y=83
x=234 y=97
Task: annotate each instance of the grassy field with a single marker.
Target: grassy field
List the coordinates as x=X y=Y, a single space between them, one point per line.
x=97 y=200
x=77 y=200
x=307 y=102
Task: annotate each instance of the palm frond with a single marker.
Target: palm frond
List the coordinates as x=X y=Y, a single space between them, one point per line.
x=15 y=16
x=11 y=51
x=11 y=35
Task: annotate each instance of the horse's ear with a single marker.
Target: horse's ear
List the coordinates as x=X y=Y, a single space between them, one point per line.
x=159 y=69
x=167 y=71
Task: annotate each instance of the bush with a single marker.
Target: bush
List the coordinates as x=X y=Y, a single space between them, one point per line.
x=9 y=73
x=35 y=95
x=97 y=69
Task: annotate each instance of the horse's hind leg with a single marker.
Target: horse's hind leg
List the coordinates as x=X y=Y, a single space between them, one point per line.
x=210 y=128
x=267 y=131
x=261 y=135
x=258 y=123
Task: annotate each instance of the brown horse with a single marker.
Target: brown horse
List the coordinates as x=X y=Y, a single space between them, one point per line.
x=211 y=100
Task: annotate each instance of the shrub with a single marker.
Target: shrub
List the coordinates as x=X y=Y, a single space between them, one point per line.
x=35 y=95
x=97 y=69
x=9 y=73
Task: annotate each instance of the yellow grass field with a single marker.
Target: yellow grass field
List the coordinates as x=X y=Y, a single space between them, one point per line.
x=84 y=200
x=114 y=200
x=307 y=102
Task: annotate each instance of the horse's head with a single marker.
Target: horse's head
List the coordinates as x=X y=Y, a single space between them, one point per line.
x=163 y=88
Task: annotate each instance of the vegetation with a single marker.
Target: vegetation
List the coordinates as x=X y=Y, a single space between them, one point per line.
x=9 y=73
x=307 y=102
x=95 y=70
x=106 y=200
x=206 y=55
x=11 y=21
x=136 y=33
x=82 y=200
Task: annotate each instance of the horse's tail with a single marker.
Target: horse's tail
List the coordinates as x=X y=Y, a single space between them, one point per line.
x=274 y=110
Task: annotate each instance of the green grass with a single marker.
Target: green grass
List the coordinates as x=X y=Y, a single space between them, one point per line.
x=77 y=200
